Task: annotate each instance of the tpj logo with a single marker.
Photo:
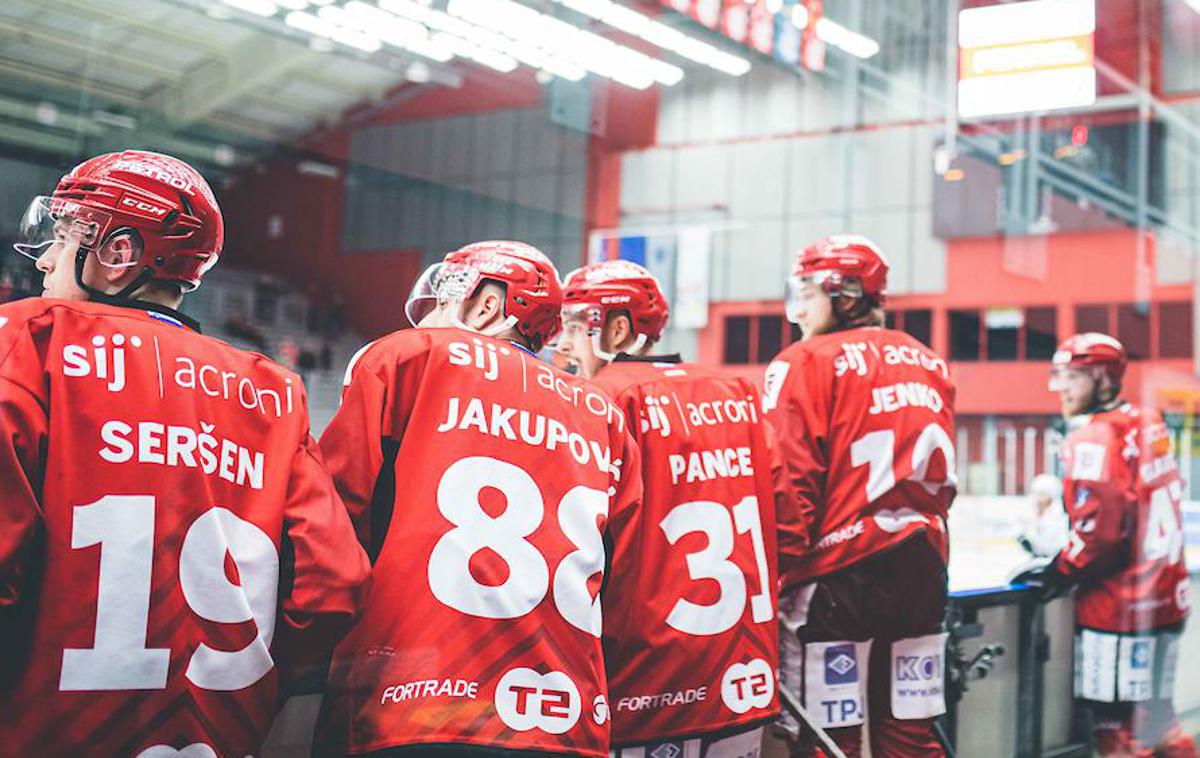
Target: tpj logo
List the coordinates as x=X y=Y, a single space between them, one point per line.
x=841 y=664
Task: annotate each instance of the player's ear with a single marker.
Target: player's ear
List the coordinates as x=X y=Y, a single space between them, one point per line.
x=120 y=254
x=487 y=307
x=618 y=330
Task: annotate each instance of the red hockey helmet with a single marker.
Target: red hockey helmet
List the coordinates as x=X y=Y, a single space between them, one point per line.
x=595 y=290
x=161 y=200
x=1090 y=350
x=841 y=258
x=533 y=296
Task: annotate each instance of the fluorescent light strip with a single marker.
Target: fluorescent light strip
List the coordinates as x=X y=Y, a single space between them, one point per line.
x=602 y=56
x=859 y=45
x=657 y=33
x=257 y=7
x=510 y=32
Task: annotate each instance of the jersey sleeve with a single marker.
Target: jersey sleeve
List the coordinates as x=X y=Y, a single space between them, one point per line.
x=326 y=571
x=362 y=439
x=23 y=434
x=797 y=407
x=625 y=503
x=790 y=530
x=1102 y=510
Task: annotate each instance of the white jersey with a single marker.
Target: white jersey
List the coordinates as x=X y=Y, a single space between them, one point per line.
x=1048 y=532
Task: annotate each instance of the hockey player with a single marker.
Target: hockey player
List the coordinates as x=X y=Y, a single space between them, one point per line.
x=487 y=485
x=170 y=542
x=864 y=418
x=1047 y=534
x=1124 y=553
x=692 y=657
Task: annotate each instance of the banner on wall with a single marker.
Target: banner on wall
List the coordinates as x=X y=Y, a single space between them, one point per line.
x=678 y=258
x=772 y=32
x=691 y=279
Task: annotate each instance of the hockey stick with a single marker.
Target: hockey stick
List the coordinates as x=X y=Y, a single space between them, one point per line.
x=793 y=707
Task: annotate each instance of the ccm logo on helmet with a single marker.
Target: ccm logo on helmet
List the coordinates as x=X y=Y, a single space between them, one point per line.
x=144 y=207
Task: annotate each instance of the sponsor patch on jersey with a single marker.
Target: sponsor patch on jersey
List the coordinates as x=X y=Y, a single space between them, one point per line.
x=1081 y=496
x=841 y=664
x=527 y=700
x=773 y=382
x=194 y=750
x=918 y=677
x=667 y=750
x=745 y=686
x=1135 y=669
x=895 y=521
x=1088 y=462
x=1095 y=665
x=833 y=687
x=600 y=712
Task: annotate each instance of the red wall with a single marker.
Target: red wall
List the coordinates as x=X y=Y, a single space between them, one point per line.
x=1082 y=268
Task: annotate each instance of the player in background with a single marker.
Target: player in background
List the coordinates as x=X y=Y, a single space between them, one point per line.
x=692 y=646
x=864 y=418
x=1047 y=533
x=1124 y=553
x=487 y=485
x=171 y=545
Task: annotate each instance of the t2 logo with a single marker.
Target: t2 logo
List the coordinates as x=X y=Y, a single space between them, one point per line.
x=527 y=700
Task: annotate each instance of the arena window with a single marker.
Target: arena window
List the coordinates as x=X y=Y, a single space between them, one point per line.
x=1041 y=333
x=1175 y=330
x=770 y=337
x=918 y=322
x=737 y=339
x=1133 y=329
x=965 y=328
x=1092 y=318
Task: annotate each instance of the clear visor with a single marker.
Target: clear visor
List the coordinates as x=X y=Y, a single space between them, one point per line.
x=577 y=320
x=442 y=284
x=793 y=298
x=49 y=221
x=1061 y=374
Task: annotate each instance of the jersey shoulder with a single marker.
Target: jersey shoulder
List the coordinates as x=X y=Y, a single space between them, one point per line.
x=20 y=316
x=622 y=376
x=386 y=352
x=1094 y=446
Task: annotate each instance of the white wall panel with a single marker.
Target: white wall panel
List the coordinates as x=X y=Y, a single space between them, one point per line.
x=818 y=179
x=702 y=177
x=760 y=180
x=927 y=254
x=454 y=151
x=755 y=267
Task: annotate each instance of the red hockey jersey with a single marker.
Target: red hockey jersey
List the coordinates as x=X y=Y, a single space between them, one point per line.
x=486 y=484
x=865 y=423
x=691 y=640
x=1122 y=491
x=169 y=536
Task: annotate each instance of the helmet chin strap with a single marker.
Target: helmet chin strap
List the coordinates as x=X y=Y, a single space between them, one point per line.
x=104 y=297
x=1098 y=405
x=638 y=343
x=492 y=331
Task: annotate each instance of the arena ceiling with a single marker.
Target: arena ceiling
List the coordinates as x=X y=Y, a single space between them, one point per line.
x=196 y=78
